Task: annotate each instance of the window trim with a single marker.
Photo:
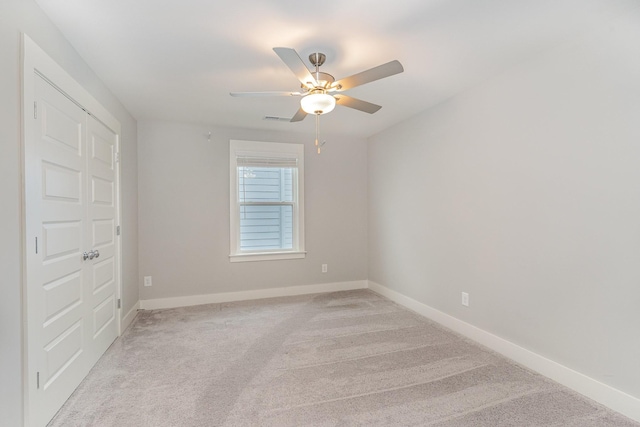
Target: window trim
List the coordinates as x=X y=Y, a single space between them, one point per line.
x=240 y=148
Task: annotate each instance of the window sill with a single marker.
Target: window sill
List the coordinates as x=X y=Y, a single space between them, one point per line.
x=266 y=256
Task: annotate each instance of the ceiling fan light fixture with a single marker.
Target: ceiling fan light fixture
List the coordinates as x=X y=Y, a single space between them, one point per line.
x=318 y=103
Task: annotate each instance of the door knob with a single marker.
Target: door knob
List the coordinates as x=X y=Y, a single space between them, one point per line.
x=90 y=255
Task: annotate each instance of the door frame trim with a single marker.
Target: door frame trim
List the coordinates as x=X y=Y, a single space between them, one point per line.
x=36 y=61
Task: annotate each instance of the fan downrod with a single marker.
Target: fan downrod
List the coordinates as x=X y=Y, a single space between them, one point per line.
x=325 y=80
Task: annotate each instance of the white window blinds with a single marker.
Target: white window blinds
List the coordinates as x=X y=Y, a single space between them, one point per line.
x=266 y=162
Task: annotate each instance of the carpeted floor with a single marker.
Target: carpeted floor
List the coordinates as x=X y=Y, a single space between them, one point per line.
x=340 y=359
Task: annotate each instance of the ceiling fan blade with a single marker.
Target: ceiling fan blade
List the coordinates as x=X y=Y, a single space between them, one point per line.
x=358 y=104
x=370 y=75
x=291 y=58
x=299 y=116
x=271 y=93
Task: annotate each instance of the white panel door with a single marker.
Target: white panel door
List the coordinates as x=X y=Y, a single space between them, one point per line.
x=70 y=188
x=102 y=215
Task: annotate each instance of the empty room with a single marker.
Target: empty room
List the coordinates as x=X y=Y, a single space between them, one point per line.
x=277 y=213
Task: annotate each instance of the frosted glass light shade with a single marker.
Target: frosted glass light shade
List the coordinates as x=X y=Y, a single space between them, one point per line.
x=318 y=103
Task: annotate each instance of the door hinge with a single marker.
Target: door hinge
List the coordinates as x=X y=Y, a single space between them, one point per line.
x=119 y=303
x=117 y=157
x=37 y=380
x=35 y=109
x=36 y=245
x=117 y=230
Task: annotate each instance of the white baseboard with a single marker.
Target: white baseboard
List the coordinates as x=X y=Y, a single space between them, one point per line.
x=128 y=318
x=613 y=398
x=154 y=304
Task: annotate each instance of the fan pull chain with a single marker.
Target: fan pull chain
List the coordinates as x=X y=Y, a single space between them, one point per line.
x=318 y=131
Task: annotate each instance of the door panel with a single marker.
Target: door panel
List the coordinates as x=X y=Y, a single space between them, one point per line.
x=61 y=353
x=103 y=316
x=102 y=191
x=56 y=215
x=61 y=239
x=102 y=150
x=102 y=214
x=103 y=232
x=60 y=183
x=61 y=296
x=60 y=125
x=103 y=274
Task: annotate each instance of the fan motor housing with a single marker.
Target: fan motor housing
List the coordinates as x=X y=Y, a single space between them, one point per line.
x=324 y=79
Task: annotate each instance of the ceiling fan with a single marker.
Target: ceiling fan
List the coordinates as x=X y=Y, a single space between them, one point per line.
x=320 y=91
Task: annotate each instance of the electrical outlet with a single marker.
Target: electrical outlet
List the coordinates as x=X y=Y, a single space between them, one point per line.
x=324 y=268
x=465 y=299
x=147 y=281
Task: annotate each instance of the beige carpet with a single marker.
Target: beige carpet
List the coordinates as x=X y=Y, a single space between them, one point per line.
x=340 y=359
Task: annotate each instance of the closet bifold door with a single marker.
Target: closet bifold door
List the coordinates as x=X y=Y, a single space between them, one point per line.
x=70 y=209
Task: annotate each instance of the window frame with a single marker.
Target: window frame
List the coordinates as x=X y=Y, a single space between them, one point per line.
x=242 y=148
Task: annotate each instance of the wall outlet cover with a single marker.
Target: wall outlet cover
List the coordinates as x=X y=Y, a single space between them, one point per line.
x=465 y=299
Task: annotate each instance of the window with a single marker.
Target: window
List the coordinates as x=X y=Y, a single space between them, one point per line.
x=267 y=200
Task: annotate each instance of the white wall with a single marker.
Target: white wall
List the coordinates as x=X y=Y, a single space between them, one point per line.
x=525 y=192
x=17 y=16
x=184 y=212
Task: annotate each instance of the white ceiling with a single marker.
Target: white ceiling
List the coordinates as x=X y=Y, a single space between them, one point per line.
x=178 y=60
